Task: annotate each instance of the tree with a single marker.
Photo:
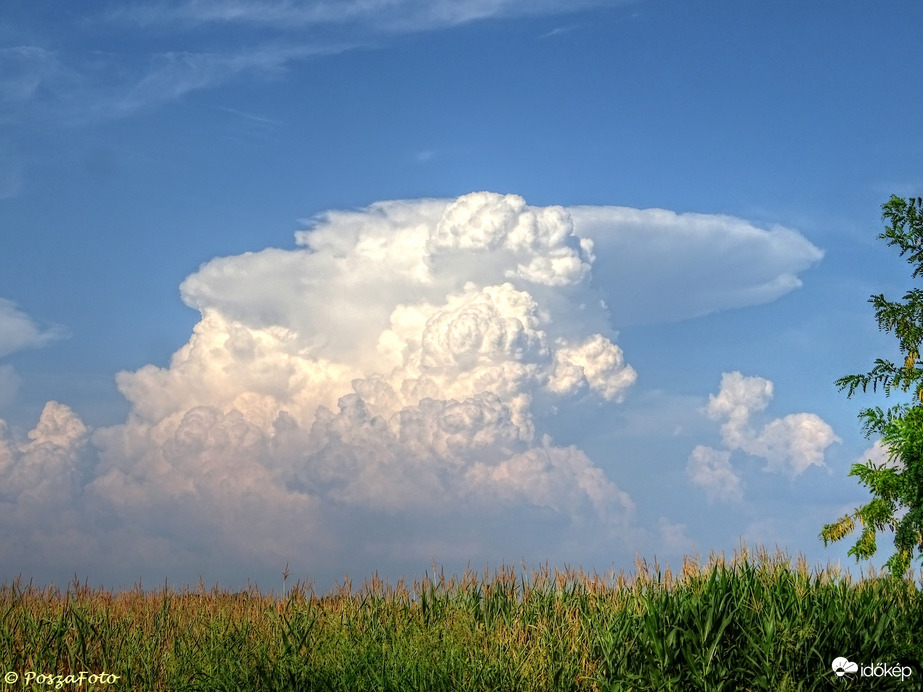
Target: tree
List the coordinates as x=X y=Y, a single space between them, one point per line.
x=896 y=486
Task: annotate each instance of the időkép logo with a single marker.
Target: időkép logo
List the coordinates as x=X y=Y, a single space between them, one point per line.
x=843 y=666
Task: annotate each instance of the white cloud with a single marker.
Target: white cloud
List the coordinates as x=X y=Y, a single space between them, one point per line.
x=45 y=519
x=878 y=454
x=711 y=470
x=77 y=88
x=739 y=397
x=45 y=470
x=374 y=15
x=103 y=85
x=673 y=536
x=172 y=75
x=656 y=265
x=597 y=363
x=296 y=30
x=559 y=478
x=389 y=365
x=18 y=331
x=790 y=445
x=24 y=70
x=388 y=371
x=397 y=304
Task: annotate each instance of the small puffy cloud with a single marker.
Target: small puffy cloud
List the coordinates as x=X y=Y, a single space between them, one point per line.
x=18 y=331
x=793 y=443
x=739 y=397
x=790 y=444
x=711 y=470
x=879 y=455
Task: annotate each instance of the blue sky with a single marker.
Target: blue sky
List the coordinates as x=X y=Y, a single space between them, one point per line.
x=357 y=286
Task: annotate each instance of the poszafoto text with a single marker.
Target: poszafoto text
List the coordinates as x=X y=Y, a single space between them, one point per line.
x=58 y=681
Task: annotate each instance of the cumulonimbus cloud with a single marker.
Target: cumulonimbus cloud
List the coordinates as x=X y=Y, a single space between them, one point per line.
x=407 y=335
x=388 y=369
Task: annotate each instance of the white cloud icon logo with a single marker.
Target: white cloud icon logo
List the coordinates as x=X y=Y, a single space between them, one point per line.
x=841 y=666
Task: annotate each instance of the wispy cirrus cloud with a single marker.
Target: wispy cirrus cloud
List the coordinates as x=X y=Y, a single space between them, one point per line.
x=24 y=70
x=175 y=74
x=32 y=78
x=372 y=15
x=246 y=39
x=74 y=89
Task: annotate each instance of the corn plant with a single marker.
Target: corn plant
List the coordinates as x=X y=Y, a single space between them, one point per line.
x=745 y=624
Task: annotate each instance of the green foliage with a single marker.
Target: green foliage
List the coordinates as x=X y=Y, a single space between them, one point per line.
x=896 y=487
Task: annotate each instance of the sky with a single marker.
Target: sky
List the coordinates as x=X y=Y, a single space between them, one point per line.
x=368 y=286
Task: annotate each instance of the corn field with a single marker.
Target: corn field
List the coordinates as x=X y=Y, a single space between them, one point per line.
x=752 y=622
